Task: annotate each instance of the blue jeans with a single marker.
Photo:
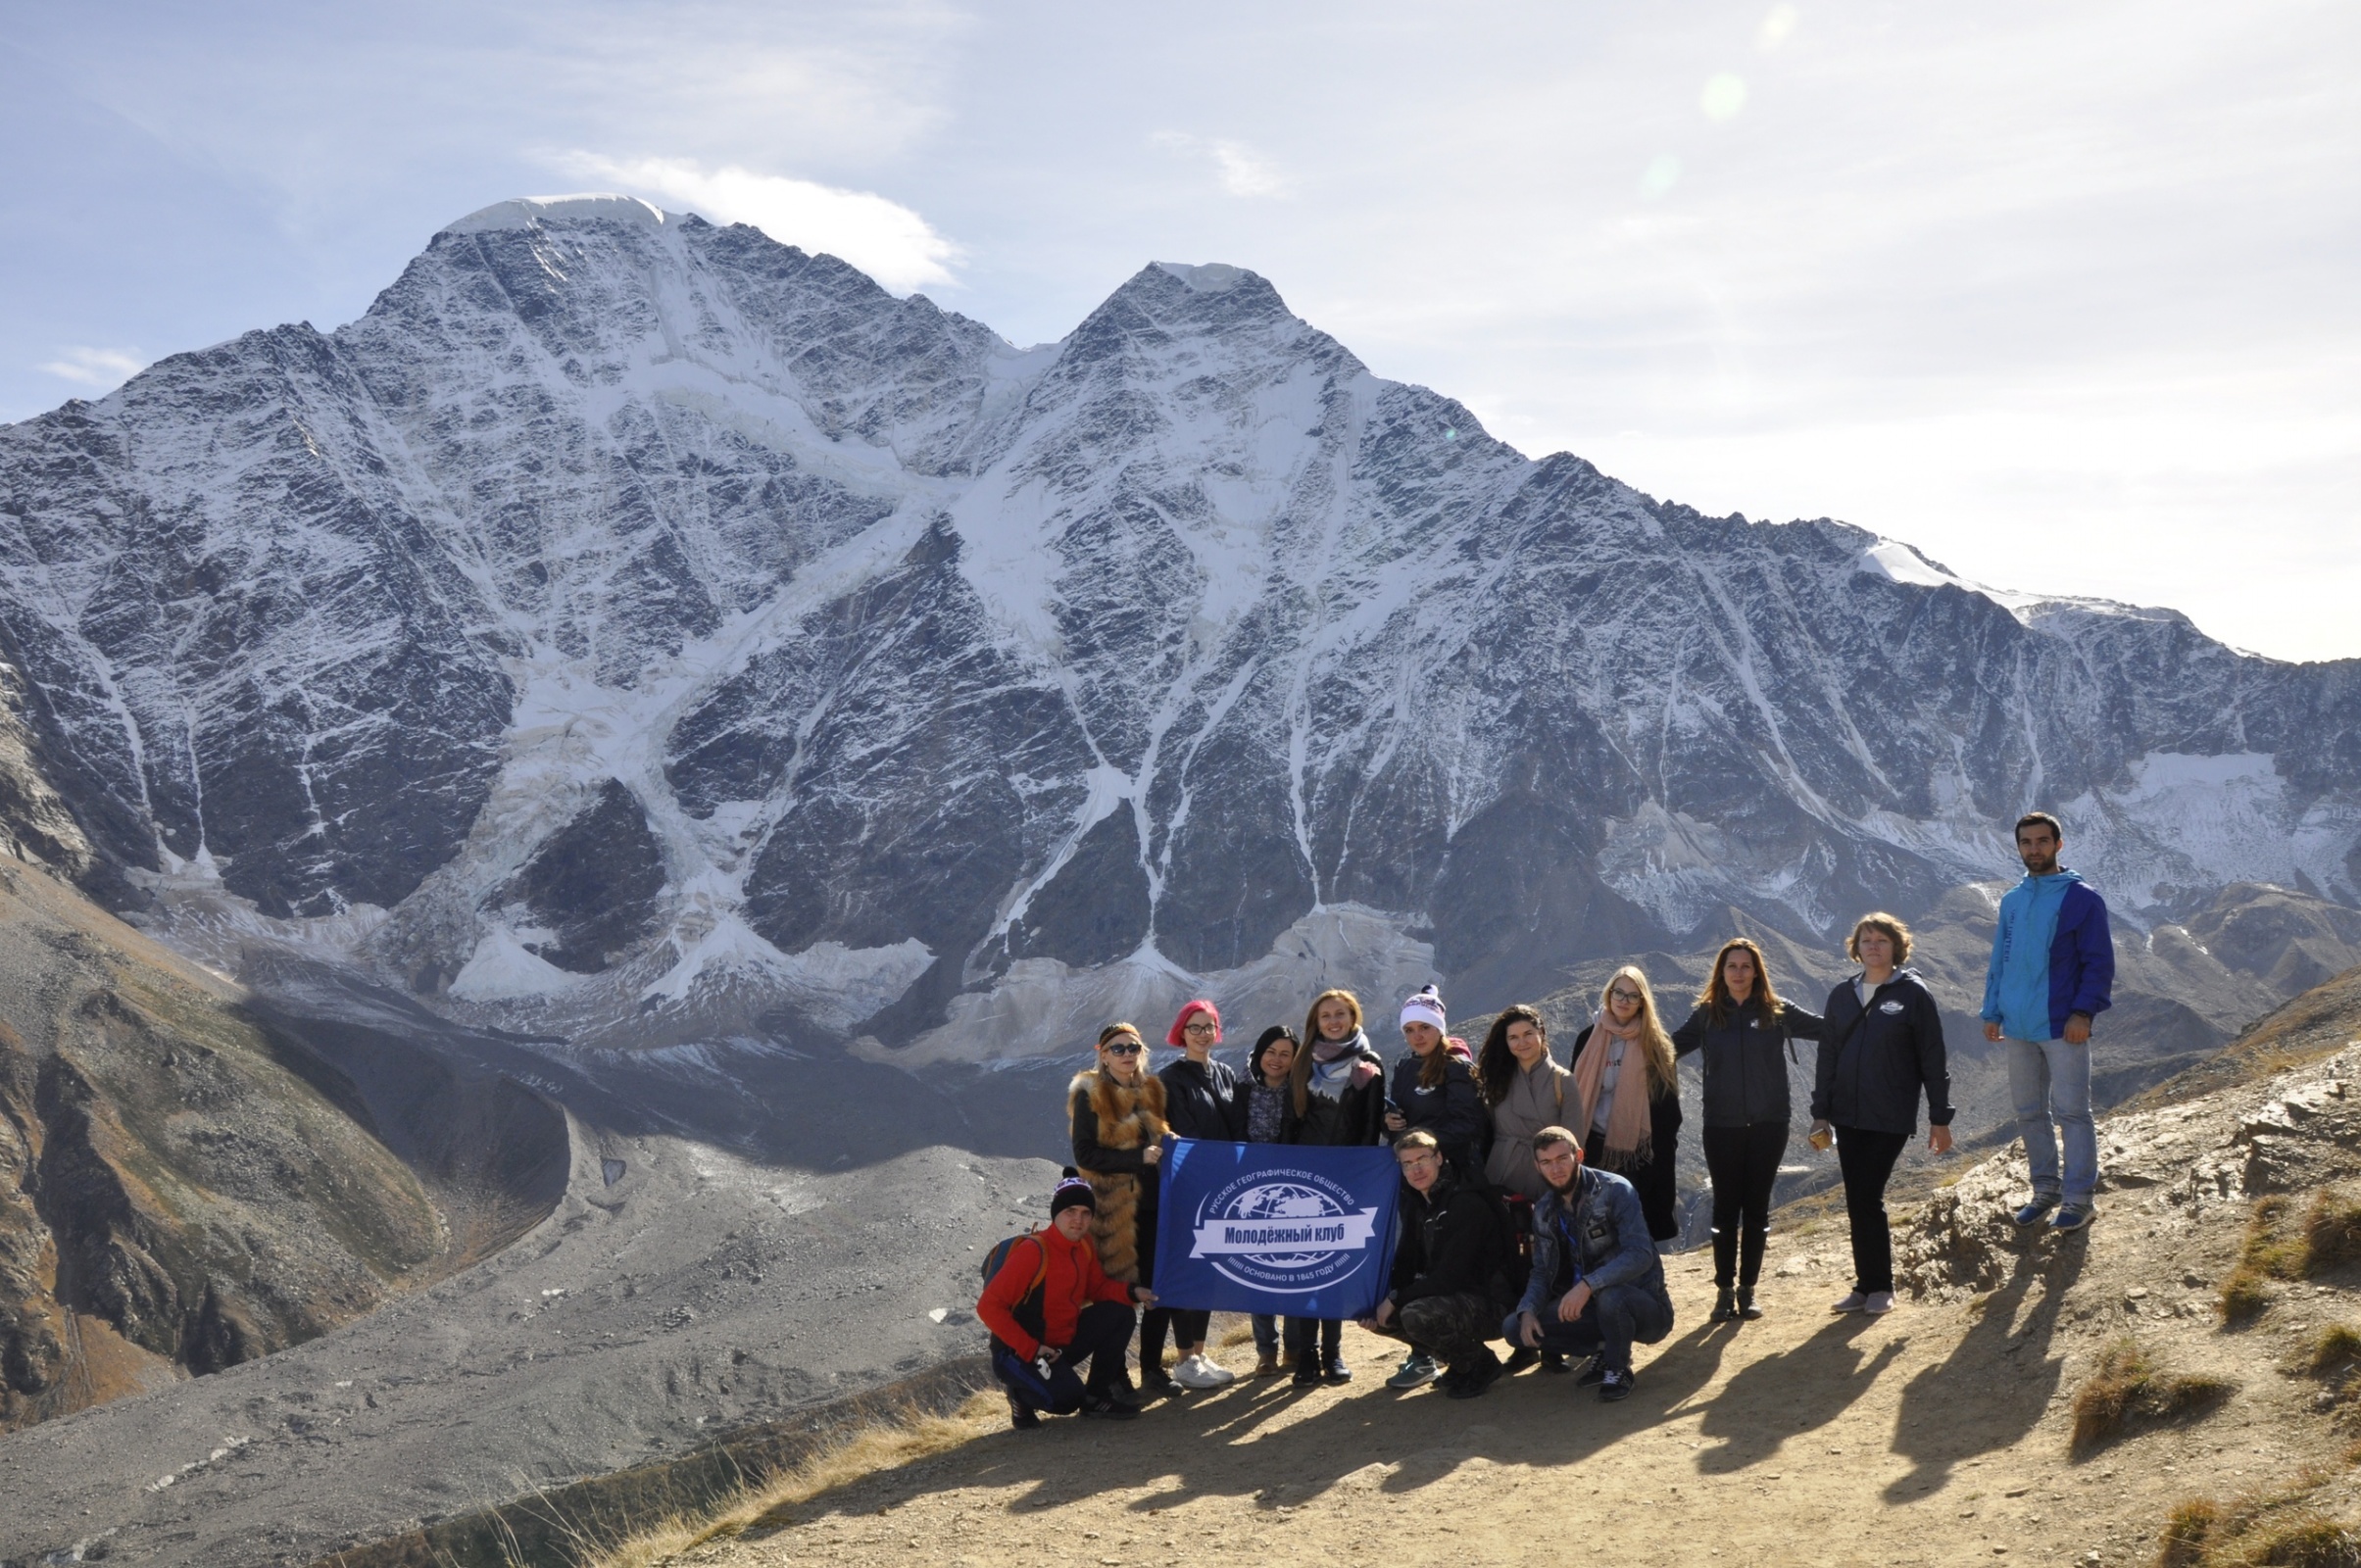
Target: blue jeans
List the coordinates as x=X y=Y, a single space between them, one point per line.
x=1611 y=1320
x=2050 y=1078
x=1266 y=1333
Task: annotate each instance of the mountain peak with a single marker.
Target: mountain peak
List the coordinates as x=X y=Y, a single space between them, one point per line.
x=1210 y=277
x=523 y=211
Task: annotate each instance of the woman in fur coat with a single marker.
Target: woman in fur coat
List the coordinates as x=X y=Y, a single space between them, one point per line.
x=1116 y=1112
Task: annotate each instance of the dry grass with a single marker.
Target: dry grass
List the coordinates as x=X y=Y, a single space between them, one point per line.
x=2127 y=1389
x=1240 y=1332
x=2273 y=1250
x=768 y=1502
x=2281 y=1528
x=2332 y=1232
x=2337 y=1346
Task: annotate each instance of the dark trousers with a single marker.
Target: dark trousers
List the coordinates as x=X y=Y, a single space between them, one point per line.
x=1102 y=1334
x=1611 y=1321
x=1867 y=1160
x=1744 y=1162
x=1299 y=1332
x=1451 y=1328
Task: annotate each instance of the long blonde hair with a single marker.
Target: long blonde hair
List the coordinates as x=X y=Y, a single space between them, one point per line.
x=1655 y=1045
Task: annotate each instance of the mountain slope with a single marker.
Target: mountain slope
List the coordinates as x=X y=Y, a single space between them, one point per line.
x=640 y=631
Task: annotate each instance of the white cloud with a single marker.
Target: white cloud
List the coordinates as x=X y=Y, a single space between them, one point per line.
x=885 y=239
x=105 y=368
x=1241 y=171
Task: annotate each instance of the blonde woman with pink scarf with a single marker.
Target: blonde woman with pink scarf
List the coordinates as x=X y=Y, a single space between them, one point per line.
x=1631 y=1098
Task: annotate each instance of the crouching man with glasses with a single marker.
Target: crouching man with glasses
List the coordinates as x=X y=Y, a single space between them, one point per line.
x=1597 y=1285
x=1450 y=1278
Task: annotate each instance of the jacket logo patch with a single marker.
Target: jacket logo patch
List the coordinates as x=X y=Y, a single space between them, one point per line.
x=1889 y=1006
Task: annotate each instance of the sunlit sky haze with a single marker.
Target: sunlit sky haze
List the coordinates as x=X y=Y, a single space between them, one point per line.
x=2061 y=293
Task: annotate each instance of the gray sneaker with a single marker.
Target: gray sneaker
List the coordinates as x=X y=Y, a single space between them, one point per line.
x=1850 y=1301
x=1877 y=1303
x=1416 y=1371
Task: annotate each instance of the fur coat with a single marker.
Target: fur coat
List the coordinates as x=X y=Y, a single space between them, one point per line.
x=1111 y=1125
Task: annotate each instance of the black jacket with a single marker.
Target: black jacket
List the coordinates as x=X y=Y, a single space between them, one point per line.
x=1875 y=1063
x=1453 y=1111
x=1653 y=1180
x=1455 y=1238
x=1357 y=1117
x=1241 y=1108
x=1202 y=1101
x=1746 y=1061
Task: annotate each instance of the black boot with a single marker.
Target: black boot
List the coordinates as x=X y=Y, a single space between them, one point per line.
x=1725 y=1306
x=1308 y=1370
x=1746 y=1304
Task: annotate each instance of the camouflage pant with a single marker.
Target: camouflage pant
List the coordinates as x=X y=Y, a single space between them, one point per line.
x=1452 y=1329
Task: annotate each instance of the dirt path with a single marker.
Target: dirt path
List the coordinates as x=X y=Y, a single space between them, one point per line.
x=1936 y=1435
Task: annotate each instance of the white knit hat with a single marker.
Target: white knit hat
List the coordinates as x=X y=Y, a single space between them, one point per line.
x=1425 y=1008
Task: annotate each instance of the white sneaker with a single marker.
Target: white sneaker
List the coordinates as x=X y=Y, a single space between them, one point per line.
x=1880 y=1301
x=1203 y=1372
x=1850 y=1301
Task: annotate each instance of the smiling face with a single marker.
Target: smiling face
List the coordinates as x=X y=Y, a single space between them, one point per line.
x=1424 y=1037
x=1336 y=1020
x=1278 y=1060
x=1200 y=1035
x=1738 y=973
x=1526 y=1043
x=1623 y=1001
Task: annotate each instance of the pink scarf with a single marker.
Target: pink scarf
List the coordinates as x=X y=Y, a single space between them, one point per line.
x=1630 y=1120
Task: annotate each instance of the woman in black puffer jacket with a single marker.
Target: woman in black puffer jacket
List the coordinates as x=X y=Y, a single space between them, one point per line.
x=1744 y=1031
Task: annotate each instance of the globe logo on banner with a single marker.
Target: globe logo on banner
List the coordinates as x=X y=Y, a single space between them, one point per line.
x=1307 y=1231
x=1291 y=1231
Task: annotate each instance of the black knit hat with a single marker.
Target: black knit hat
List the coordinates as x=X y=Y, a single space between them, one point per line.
x=1073 y=1191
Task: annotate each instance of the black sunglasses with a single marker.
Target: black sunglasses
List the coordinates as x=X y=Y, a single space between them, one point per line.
x=1132 y=1050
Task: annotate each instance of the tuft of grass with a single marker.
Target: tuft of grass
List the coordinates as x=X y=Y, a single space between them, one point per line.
x=2332 y=1232
x=2127 y=1388
x=1240 y=1332
x=2337 y=1346
x=768 y=1502
x=2191 y=1522
x=2265 y=1255
x=2309 y=1541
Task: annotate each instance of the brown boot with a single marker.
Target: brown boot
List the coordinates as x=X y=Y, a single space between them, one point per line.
x=1268 y=1366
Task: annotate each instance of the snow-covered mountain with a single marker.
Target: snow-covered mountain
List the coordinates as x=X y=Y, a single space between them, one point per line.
x=642 y=631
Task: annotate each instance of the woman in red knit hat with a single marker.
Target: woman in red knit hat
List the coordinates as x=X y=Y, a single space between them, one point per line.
x=1200 y=1100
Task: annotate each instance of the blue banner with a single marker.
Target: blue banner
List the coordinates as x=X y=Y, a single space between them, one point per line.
x=1298 y=1230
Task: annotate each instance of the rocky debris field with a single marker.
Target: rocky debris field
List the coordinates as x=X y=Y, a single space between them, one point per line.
x=1942 y=1434
x=675 y=1293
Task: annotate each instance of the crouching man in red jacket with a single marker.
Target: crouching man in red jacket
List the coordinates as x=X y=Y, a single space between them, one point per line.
x=1052 y=1308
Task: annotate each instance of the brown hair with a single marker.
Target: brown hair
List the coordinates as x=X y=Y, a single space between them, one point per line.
x=1417 y=1138
x=1880 y=920
x=1301 y=1075
x=1655 y=1045
x=2057 y=829
x=1496 y=1064
x=1554 y=1135
x=1715 y=998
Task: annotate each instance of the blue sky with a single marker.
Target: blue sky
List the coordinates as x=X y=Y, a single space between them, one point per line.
x=2063 y=293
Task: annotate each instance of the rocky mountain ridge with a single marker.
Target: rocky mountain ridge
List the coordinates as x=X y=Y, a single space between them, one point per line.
x=640 y=632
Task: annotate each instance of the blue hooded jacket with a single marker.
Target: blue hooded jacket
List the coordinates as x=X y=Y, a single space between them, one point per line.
x=2052 y=956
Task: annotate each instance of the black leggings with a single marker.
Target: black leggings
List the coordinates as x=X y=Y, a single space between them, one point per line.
x=1867 y=1160
x=1744 y=1162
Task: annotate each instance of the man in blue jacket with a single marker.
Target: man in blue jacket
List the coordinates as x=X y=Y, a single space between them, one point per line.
x=1597 y=1283
x=2053 y=965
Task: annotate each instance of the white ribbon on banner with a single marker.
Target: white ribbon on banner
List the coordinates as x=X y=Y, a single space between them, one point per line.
x=1326 y=1233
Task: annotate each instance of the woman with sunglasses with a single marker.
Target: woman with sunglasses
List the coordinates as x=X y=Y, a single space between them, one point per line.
x=1116 y=1112
x=1745 y=1035
x=1631 y=1098
x=1200 y=1101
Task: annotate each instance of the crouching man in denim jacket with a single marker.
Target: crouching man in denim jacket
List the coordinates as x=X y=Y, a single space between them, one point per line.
x=1597 y=1285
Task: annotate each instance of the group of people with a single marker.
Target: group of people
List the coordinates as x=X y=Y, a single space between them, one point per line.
x=1536 y=1192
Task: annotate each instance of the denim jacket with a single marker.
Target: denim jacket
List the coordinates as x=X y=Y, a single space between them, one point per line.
x=1611 y=1233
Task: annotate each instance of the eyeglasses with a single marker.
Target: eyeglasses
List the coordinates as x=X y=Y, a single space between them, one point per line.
x=1132 y=1049
x=1621 y=995
x=1200 y=1029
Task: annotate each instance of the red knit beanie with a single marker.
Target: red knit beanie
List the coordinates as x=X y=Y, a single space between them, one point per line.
x=1173 y=1036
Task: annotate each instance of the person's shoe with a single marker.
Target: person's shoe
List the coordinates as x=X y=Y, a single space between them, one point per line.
x=1122 y=1393
x=1615 y=1386
x=1156 y=1384
x=1201 y=1371
x=1418 y=1370
x=1850 y=1301
x=2030 y=1213
x=1106 y=1408
x=1592 y=1371
x=1307 y=1373
x=1022 y=1416
x=1725 y=1306
x=2071 y=1217
x=1877 y=1303
x=1336 y=1371
x=1472 y=1383
x=1745 y=1305
x=1523 y=1357
x=1267 y=1365
x=1553 y=1362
